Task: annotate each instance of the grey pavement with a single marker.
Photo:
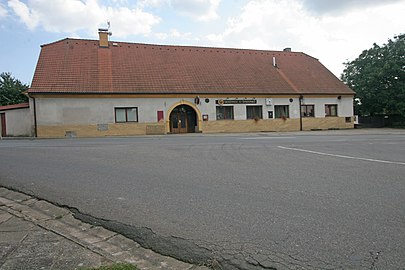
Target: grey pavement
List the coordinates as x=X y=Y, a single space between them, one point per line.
x=35 y=234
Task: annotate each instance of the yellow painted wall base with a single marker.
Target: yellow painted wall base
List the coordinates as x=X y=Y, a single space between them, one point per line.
x=220 y=126
x=125 y=129
x=327 y=123
x=251 y=125
x=267 y=125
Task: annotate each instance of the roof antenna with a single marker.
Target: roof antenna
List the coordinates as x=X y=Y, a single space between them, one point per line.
x=108 y=29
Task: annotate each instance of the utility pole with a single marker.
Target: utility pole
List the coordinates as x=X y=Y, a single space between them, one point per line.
x=300 y=99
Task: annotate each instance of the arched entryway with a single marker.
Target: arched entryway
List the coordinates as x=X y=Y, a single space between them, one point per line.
x=183 y=119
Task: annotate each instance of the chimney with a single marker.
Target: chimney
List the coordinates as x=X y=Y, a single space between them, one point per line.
x=287 y=50
x=103 y=34
x=274 y=62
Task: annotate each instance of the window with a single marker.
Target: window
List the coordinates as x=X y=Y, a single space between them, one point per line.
x=331 y=110
x=307 y=110
x=281 y=111
x=254 y=112
x=224 y=112
x=123 y=115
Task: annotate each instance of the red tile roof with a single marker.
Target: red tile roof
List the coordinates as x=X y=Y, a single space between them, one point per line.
x=14 y=106
x=81 y=66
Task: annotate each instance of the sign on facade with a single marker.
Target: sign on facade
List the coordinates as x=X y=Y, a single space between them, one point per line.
x=236 y=101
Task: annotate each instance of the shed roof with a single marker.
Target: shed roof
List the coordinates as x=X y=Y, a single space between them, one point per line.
x=82 y=66
x=14 y=106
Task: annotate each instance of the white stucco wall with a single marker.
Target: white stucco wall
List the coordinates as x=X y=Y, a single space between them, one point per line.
x=19 y=122
x=345 y=105
x=76 y=111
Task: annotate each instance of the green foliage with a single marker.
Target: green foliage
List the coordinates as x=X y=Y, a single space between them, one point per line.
x=378 y=78
x=11 y=90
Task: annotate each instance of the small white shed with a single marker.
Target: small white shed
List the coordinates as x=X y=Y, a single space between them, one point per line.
x=16 y=121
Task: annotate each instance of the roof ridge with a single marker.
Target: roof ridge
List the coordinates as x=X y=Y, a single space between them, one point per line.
x=203 y=47
x=65 y=39
x=47 y=44
x=181 y=46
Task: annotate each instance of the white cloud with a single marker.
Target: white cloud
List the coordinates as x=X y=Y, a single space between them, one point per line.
x=127 y=22
x=201 y=10
x=198 y=10
x=75 y=15
x=262 y=25
x=335 y=7
x=174 y=35
x=3 y=11
x=21 y=10
x=276 y=24
x=153 y=3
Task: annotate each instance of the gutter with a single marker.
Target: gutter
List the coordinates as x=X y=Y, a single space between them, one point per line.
x=35 y=112
x=35 y=117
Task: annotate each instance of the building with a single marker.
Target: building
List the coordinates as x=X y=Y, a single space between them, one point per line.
x=16 y=120
x=89 y=88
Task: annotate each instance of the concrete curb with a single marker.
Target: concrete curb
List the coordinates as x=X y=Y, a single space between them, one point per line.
x=355 y=131
x=112 y=247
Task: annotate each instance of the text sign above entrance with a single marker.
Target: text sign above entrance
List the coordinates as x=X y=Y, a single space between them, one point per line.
x=236 y=101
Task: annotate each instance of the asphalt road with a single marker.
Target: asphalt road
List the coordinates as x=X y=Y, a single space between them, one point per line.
x=310 y=200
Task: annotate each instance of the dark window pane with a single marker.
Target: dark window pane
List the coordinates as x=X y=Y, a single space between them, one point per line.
x=307 y=110
x=253 y=112
x=281 y=111
x=224 y=112
x=331 y=110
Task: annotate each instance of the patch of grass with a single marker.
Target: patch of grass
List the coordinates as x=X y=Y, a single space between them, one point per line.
x=117 y=266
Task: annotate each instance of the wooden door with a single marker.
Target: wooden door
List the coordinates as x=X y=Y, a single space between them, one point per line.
x=3 y=124
x=179 y=122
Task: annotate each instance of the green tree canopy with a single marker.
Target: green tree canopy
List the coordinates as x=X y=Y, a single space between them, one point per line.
x=378 y=78
x=11 y=90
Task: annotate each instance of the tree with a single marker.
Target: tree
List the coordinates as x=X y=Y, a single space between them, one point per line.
x=378 y=78
x=11 y=90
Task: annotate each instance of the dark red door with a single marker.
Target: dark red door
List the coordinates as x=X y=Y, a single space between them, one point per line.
x=3 y=124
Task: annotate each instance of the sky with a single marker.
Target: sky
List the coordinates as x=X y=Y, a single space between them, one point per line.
x=333 y=31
